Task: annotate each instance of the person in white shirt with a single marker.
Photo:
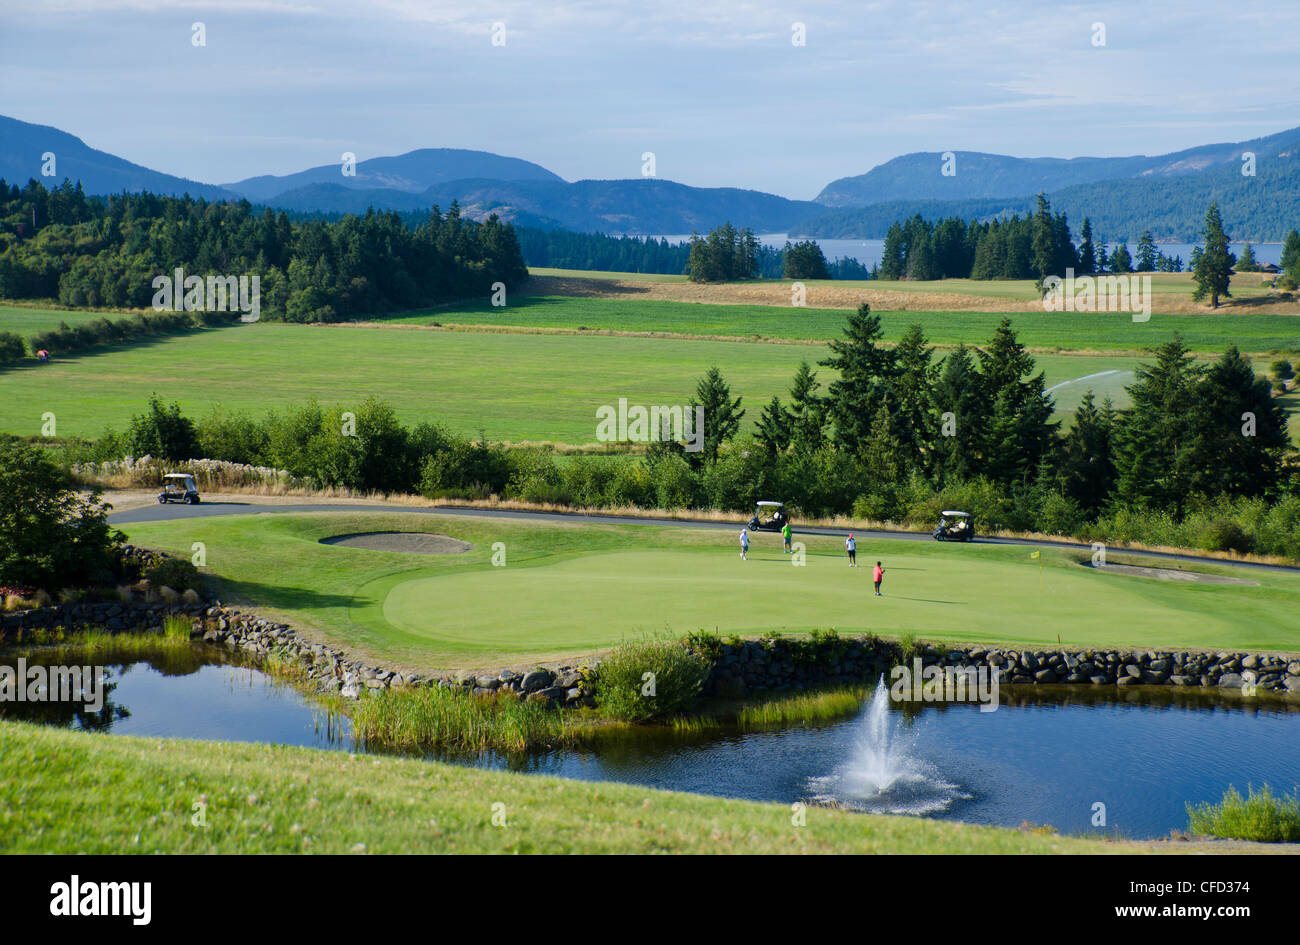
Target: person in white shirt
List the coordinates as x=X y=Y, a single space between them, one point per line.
x=851 y=547
x=744 y=544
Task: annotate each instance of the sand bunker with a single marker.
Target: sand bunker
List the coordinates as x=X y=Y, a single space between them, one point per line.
x=411 y=543
x=1169 y=574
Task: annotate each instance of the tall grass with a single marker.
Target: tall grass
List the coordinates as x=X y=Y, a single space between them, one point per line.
x=447 y=719
x=1260 y=816
x=648 y=679
x=804 y=707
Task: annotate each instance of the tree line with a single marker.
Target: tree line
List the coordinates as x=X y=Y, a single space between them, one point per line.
x=105 y=252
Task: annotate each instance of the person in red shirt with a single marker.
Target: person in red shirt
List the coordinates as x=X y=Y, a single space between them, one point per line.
x=878 y=575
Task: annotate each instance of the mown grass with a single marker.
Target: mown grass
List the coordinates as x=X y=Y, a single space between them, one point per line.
x=573 y=589
x=1096 y=331
x=74 y=792
x=512 y=387
x=1261 y=816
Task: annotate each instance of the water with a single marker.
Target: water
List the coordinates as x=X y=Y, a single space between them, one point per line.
x=1046 y=758
x=869 y=252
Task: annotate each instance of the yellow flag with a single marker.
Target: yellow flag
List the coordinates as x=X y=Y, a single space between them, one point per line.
x=1033 y=554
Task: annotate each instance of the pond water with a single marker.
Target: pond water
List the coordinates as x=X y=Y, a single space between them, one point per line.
x=1042 y=758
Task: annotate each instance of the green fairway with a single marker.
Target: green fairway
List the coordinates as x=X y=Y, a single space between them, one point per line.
x=25 y=321
x=571 y=589
x=141 y=798
x=513 y=387
x=1068 y=331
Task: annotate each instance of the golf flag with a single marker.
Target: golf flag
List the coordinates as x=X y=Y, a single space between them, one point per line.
x=1033 y=554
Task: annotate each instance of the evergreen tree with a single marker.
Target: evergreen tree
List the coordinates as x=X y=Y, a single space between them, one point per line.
x=962 y=415
x=722 y=415
x=1214 y=266
x=1146 y=253
x=1087 y=251
x=804 y=260
x=1290 y=261
x=892 y=258
x=1120 y=260
x=1240 y=430
x=865 y=370
x=807 y=414
x=1087 y=472
x=1157 y=432
x=773 y=428
x=1247 y=261
x=1019 y=431
x=911 y=394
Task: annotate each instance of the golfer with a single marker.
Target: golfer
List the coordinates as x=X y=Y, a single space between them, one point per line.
x=744 y=544
x=851 y=547
x=878 y=575
x=785 y=533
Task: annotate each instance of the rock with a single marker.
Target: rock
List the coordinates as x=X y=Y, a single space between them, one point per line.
x=1230 y=681
x=487 y=682
x=350 y=691
x=1132 y=671
x=1045 y=675
x=537 y=679
x=1127 y=680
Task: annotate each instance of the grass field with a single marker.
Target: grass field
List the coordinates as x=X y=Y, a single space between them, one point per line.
x=574 y=589
x=511 y=386
x=1066 y=331
x=1243 y=284
x=73 y=792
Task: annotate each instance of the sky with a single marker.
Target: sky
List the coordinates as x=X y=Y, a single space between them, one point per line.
x=718 y=92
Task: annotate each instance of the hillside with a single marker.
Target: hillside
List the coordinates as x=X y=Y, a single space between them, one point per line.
x=978 y=175
x=22 y=144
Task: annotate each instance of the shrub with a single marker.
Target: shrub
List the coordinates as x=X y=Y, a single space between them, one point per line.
x=649 y=679
x=11 y=347
x=51 y=536
x=1260 y=816
x=178 y=574
x=1226 y=534
x=164 y=432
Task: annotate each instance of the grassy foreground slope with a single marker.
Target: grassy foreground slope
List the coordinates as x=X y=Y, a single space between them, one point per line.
x=570 y=589
x=72 y=792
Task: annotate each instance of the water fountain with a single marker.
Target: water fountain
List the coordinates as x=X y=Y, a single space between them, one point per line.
x=883 y=776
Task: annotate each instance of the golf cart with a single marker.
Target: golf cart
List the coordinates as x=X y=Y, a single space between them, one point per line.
x=178 y=487
x=768 y=517
x=954 y=526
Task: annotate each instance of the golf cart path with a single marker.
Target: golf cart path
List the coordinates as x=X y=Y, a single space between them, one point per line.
x=161 y=513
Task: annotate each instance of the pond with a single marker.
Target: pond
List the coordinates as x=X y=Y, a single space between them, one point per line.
x=1042 y=757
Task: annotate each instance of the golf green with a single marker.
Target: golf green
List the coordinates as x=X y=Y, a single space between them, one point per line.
x=568 y=589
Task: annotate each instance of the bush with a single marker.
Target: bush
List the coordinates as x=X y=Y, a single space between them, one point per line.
x=1226 y=534
x=650 y=679
x=11 y=347
x=163 y=432
x=177 y=573
x=1261 y=817
x=51 y=536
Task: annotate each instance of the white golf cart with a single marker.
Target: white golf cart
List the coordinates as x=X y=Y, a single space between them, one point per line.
x=179 y=487
x=768 y=517
x=954 y=526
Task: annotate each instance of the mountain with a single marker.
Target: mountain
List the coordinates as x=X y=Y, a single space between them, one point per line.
x=410 y=173
x=640 y=206
x=917 y=176
x=22 y=145
x=1262 y=208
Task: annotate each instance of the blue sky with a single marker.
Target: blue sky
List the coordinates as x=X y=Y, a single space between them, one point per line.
x=716 y=90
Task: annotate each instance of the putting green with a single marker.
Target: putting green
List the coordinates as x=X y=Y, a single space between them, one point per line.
x=592 y=600
x=574 y=588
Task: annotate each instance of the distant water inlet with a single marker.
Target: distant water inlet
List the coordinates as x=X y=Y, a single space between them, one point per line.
x=883 y=775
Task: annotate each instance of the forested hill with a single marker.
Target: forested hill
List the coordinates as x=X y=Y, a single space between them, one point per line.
x=105 y=251
x=1261 y=207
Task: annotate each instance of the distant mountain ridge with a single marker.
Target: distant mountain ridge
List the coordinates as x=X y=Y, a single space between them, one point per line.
x=1123 y=196
x=22 y=145
x=919 y=176
x=412 y=173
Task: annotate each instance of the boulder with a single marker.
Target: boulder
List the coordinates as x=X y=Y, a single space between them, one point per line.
x=537 y=680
